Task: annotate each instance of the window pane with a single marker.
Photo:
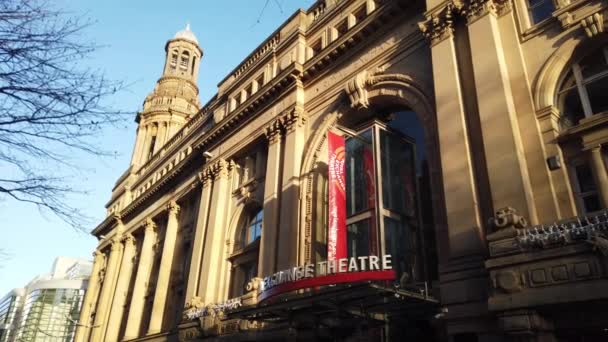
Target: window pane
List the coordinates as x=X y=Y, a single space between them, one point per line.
x=592 y=203
x=540 y=10
x=357 y=196
x=571 y=106
x=584 y=177
x=398 y=173
x=357 y=237
x=593 y=64
x=597 y=92
x=400 y=245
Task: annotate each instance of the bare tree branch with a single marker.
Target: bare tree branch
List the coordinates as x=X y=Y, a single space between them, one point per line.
x=50 y=104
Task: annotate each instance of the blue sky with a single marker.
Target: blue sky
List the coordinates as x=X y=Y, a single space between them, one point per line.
x=133 y=34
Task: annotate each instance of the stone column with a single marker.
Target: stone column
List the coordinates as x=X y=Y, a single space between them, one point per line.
x=164 y=273
x=213 y=250
x=145 y=145
x=160 y=136
x=107 y=292
x=272 y=181
x=194 y=275
x=122 y=289
x=90 y=297
x=599 y=171
x=293 y=121
x=504 y=152
x=146 y=258
x=140 y=133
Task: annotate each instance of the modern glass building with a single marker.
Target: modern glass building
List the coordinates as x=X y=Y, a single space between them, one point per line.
x=48 y=308
x=10 y=307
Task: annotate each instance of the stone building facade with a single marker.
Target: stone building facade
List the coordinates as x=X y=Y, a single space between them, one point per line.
x=475 y=154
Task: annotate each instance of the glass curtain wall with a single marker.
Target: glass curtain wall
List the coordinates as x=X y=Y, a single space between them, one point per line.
x=50 y=315
x=384 y=219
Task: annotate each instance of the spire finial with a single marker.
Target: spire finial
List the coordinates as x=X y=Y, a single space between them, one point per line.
x=187 y=26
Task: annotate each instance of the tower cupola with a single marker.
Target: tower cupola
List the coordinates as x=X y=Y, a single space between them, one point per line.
x=174 y=99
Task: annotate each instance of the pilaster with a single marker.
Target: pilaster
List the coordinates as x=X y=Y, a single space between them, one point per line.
x=194 y=276
x=504 y=151
x=213 y=245
x=90 y=297
x=142 y=278
x=122 y=288
x=107 y=292
x=164 y=273
x=272 y=181
x=293 y=121
x=463 y=214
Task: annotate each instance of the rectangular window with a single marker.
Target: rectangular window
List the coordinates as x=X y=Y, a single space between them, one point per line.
x=360 y=14
x=152 y=145
x=585 y=189
x=342 y=27
x=540 y=10
x=317 y=47
x=260 y=81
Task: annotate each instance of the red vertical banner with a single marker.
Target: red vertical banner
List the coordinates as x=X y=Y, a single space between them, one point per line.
x=370 y=189
x=336 y=234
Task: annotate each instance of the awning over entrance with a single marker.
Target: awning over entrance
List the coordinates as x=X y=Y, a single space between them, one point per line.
x=366 y=300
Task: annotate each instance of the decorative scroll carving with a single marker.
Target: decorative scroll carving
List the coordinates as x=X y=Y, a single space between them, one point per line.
x=593 y=24
x=254 y=284
x=507 y=224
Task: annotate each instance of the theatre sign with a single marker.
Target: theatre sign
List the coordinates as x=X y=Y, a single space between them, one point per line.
x=343 y=270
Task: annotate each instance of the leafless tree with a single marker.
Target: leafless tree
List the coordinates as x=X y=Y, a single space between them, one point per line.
x=51 y=104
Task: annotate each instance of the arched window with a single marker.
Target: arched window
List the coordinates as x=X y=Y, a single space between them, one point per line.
x=173 y=63
x=183 y=64
x=245 y=256
x=583 y=90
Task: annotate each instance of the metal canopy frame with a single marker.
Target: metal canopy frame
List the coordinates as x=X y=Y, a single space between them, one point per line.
x=368 y=300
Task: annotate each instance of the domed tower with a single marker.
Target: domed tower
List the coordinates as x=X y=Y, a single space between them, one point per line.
x=174 y=99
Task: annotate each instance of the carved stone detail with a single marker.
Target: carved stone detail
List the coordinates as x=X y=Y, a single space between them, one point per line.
x=128 y=239
x=217 y=170
x=507 y=281
x=440 y=24
x=593 y=24
x=149 y=226
x=173 y=208
x=293 y=119
x=273 y=131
